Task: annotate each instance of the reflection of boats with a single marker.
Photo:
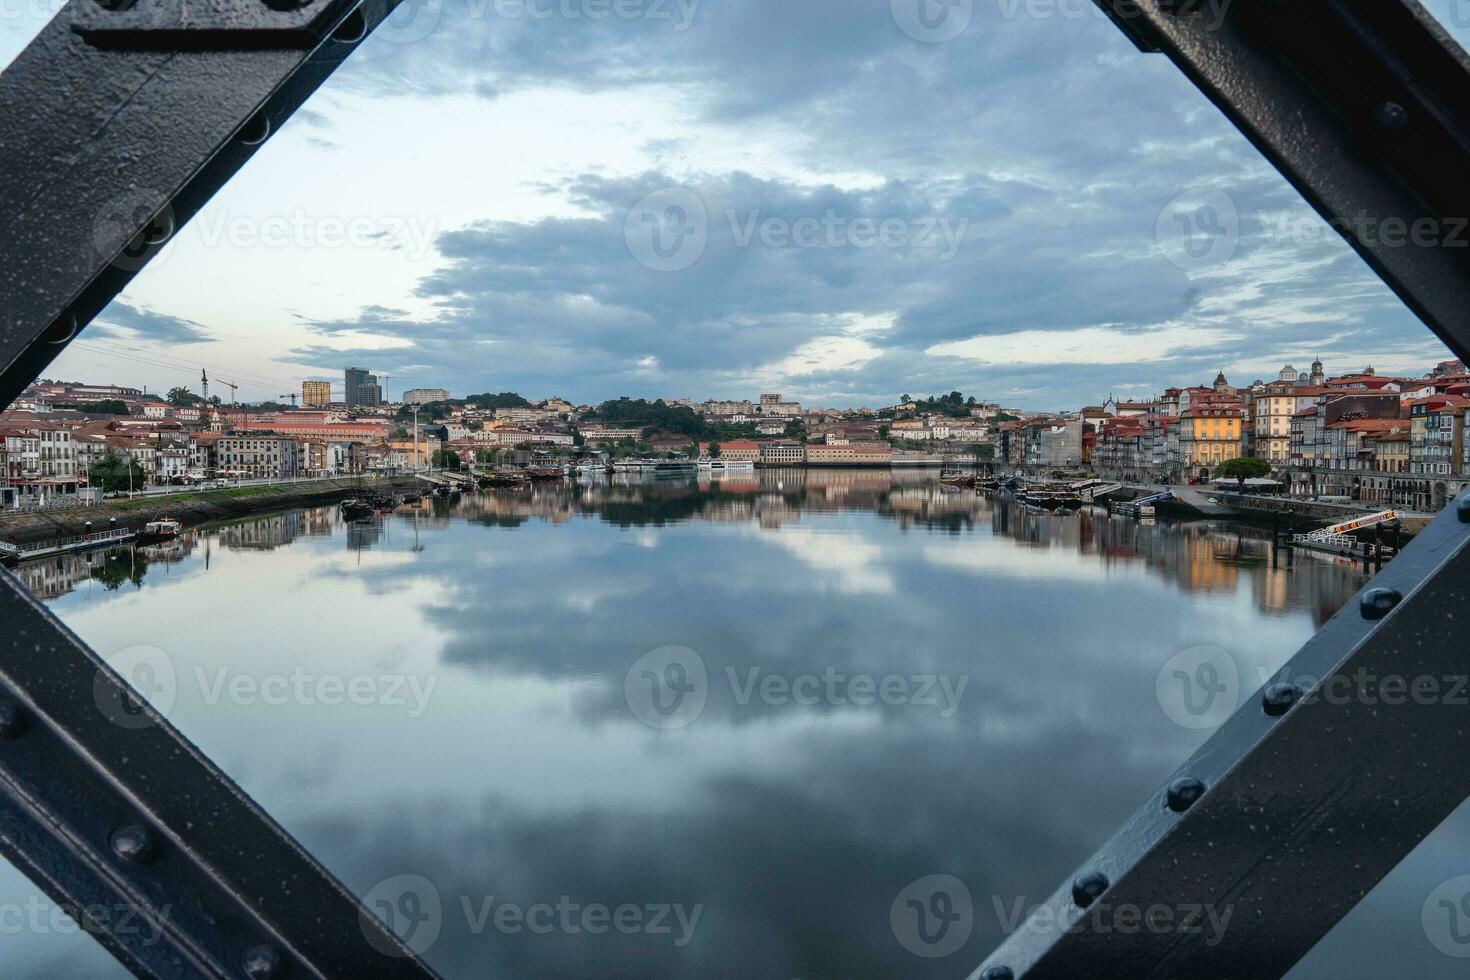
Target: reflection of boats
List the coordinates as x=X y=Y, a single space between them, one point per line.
x=161 y=530
x=503 y=480
x=956 y=478
x=356 y=509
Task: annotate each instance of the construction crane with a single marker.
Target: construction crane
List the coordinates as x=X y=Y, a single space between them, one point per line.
x=233 y=388
x=292 y=397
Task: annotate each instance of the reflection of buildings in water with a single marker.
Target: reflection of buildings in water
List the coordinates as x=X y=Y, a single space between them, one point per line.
x=266 y=533
x=1200 y=558
x=364 y=534
x=52 y=577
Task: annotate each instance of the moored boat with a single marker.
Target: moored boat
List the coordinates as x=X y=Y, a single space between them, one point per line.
x=356 y=509
x=161 y=530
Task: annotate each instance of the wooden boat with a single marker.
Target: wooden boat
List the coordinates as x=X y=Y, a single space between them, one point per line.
x=545 y=473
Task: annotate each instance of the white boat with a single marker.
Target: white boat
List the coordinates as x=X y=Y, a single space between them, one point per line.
x=726 y=466
x=156 y=531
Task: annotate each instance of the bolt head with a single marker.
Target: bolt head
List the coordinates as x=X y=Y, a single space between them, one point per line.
x=1378 y=603
x=133 y=844
x=1184 y=793
x=1391 y=116
x=12 y=719
x=1087 y=888
x=1278 y=699
x=262 y=963
x=998 y=973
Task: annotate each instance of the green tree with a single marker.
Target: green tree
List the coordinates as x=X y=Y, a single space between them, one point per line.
x=714 y=450
x=1243 y=468
x=111 y=473
x=180 y=397
x=108 y=406
x=446 y=459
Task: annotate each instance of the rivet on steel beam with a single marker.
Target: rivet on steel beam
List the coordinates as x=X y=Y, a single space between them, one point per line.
x=352 y=29
x=1088 y=888
x=1391 y=116
x=1377 y=603
x=256 y=131
x=12 y=720
x=1279 y=698
x=262 y=963
x=998 y=973
x=133 y=844
x=1184 y=793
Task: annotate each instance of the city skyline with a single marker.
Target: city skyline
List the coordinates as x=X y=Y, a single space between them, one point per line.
x=1031 y=250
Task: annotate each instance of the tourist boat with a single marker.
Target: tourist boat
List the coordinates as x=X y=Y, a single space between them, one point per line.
x=356 y=509
x=413 y=498
x=9 y=553
x=726 y=466
x=162 y=530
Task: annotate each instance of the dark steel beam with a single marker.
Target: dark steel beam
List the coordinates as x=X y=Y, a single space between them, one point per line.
x=113 y=134
x=1330 y=776
x=155 y=851
x=1295 y=808
x=1364 y=105
x=116 y=125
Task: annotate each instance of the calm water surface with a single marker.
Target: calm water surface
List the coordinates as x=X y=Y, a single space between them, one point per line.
x=748 y=715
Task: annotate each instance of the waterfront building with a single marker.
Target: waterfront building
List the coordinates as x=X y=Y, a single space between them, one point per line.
x=781 y=454
x=1210 y=435
x=259 y=456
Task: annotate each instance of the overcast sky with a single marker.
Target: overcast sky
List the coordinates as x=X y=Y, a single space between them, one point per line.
x=841 y=200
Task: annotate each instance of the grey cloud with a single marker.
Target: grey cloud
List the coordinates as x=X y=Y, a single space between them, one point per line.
x=125 y=321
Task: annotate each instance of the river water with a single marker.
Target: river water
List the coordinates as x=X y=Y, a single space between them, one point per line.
x=682 y=730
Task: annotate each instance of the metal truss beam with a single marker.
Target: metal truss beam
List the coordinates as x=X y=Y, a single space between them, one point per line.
x=1364 y=105
x=116 y=125
x=1289 y=815
x=1331 y=775
x=118 y=122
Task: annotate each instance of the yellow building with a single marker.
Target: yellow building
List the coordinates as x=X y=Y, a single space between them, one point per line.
x=1209 y=435
x=316 y=394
